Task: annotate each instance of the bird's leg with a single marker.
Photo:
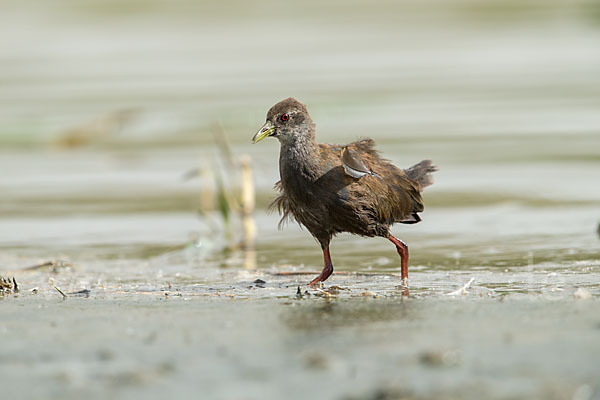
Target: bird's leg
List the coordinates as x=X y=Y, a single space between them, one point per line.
x=327 y=269
x=402 y=249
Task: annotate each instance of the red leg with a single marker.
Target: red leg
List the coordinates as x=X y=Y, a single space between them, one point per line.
x=402 y=249
x=327 y=269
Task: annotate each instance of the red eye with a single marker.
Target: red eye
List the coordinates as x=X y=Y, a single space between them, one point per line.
x=285 y=116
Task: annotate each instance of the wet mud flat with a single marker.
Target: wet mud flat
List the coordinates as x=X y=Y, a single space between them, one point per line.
x=503 y=298
x=264 y=334
x=150 y=303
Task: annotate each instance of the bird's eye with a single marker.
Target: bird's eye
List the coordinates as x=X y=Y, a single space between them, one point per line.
x=284 y=117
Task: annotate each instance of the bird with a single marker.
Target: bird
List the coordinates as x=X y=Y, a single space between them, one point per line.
x=330 y=189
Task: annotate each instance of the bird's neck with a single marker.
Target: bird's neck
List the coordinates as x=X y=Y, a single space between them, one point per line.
x=300 y=159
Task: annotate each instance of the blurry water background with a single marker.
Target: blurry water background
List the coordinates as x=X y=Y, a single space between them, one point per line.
x=104 y=105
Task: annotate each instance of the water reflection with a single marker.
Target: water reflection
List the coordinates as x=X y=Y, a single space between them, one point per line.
x=325 y=314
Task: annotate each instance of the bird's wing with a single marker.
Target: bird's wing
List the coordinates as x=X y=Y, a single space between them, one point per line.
x=353 y=164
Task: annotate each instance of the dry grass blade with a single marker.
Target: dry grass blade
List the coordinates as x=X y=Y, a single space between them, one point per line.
x=463 y=290
x=60 y=291
x=248 y=202
x=222 y=140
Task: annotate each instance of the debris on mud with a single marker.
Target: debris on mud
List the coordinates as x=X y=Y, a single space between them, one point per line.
x=440 y=358
x=8 y=285
x=315 y=360
x=81 y=293
x=60 y=291
x=463 y=290
x=53 y=266
x=368 y=293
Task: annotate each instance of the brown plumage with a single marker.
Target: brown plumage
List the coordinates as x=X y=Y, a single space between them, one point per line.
x=332 y=188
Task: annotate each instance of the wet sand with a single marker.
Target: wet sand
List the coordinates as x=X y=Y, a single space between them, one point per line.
x=352 y=347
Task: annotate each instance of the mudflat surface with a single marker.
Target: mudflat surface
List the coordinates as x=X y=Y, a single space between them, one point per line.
x=353 y=347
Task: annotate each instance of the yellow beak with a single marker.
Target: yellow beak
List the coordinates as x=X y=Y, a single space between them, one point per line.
x=267 y=130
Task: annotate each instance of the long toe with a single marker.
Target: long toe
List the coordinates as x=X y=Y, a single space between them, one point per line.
x=314 y=282
x=317 y=280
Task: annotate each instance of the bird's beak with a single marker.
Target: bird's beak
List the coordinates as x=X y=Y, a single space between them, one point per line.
x=268 y=129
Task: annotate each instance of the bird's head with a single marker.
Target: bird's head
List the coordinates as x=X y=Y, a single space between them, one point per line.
x=288 y=121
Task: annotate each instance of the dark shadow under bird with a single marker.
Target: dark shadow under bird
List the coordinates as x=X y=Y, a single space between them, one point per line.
x=331 y=189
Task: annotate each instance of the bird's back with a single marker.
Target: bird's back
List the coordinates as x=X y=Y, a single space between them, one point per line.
x=388 y=192
x=337 y=202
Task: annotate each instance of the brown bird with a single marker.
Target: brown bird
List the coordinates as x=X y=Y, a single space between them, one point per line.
x=332 y=188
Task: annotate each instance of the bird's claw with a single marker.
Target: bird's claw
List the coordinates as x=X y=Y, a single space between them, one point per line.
x=316 y=284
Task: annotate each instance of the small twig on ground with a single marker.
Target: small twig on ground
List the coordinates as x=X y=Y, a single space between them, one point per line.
x=324 y=293
x=81 y=293
x=60 y=291
x=463 y=290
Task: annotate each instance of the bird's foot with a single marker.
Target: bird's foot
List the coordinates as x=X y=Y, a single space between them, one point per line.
x=404 y=287
x=316 y=283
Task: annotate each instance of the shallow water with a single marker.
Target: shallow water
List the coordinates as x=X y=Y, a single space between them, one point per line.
x=172 y=306
x=355 y=348
x=169 y=310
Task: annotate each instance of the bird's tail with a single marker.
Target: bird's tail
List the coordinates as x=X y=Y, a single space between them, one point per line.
x=421 y=173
